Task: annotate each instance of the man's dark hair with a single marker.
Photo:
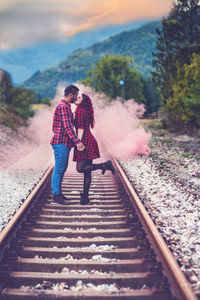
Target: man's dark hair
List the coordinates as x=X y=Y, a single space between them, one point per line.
x=71 y=89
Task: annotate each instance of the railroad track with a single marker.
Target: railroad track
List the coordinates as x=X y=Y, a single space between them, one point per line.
x=109 y=249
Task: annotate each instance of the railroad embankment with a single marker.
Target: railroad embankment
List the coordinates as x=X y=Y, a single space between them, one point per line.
x=167 y=181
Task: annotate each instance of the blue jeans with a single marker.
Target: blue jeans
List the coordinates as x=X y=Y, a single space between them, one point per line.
x=61 y=155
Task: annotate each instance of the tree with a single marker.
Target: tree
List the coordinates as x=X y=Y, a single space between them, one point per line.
x=153 y=100
x=5 y=87
x=21 y=100
x=114 y=76
x=17 y=99
x=178 y=38
x=184 y=106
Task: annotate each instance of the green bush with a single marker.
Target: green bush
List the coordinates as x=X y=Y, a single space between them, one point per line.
x=16 y=100
x=183 y=106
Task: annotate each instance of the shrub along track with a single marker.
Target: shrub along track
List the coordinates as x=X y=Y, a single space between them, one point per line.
x=109 y=249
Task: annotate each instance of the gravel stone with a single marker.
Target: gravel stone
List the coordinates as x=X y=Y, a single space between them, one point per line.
x=19 y=176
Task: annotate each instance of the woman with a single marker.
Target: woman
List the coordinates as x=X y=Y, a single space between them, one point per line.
x=84 y=120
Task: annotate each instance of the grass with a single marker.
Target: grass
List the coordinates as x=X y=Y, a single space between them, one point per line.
x=188 y=154
x=167 y=141
x=10 y=119
x=155 y=124
x=162 y=161
x=164 y=141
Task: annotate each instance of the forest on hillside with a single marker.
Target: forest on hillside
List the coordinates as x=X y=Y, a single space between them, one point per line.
x=137 y=43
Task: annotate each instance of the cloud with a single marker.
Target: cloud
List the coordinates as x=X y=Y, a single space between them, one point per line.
x=24 y=22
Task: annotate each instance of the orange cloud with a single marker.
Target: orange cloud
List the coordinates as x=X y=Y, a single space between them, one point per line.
x=92 y=15
x=103 y=12
x=24 y=22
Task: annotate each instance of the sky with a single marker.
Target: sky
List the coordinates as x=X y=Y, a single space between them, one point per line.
x=25 y=22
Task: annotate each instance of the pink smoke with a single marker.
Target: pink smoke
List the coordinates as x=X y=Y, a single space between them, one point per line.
x=40 y=126
x=115 y=122
x=28 y=139
x=119 y=125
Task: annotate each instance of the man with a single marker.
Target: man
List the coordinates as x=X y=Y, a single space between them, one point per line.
x=63 y=140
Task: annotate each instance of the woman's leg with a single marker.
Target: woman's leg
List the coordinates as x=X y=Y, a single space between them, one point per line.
x=81 y=168
x=81 y=165
x=103 y=166
x=89 y=167
x=87 y=178
x=86 y=166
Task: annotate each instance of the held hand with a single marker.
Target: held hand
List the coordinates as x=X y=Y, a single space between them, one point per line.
x=80 y=146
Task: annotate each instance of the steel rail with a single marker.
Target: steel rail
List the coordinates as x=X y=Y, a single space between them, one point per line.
x=179 y=285
x=21 y=211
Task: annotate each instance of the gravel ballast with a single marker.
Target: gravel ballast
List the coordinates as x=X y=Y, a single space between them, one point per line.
x=168 y=183
x=19 y=179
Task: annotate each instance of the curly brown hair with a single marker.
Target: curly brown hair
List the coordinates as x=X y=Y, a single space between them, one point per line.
x=87 y=105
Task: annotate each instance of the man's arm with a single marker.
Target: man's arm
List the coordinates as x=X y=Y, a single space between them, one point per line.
x=80 y=133
x=66 y=117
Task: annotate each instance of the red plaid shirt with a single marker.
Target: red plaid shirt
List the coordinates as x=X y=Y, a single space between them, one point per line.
x=63 y=122
x=91 y=151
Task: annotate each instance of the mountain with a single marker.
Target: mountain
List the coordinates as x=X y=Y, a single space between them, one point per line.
x=22 y=63
x=137 y=43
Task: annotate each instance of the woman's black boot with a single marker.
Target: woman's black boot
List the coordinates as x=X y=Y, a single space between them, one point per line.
x=107 y=166
x=84 y=199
